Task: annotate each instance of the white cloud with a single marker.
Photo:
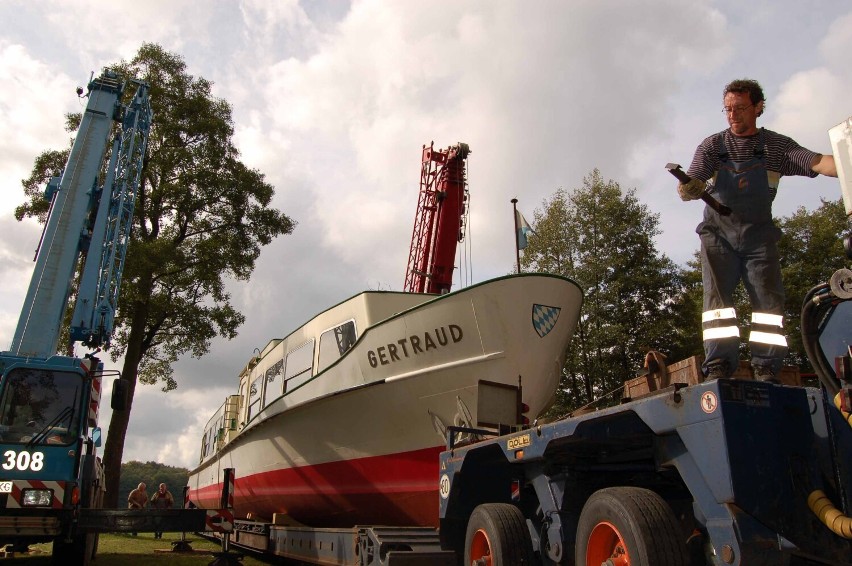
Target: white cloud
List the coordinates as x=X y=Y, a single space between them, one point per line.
x=17 y=248
x=524 y=99
x=35 y=99
x=102 y=31
x=174 y=436
x=837 y=43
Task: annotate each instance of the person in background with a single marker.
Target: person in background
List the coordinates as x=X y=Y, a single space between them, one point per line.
x=162 y=499
x=741 y=167
x=138 y=498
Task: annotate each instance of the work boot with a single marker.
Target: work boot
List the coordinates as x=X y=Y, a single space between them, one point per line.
x=765 y=373
x=717 y=370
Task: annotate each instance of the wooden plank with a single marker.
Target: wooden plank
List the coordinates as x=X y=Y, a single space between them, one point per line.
x=689 y=371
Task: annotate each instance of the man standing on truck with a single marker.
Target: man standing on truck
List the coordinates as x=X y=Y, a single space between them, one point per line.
x=741 y=167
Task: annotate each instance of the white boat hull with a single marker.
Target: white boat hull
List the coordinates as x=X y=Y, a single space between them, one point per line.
x=359 y=442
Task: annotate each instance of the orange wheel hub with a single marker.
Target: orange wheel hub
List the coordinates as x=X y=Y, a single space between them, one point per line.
x=606 y=543
x=480 y=549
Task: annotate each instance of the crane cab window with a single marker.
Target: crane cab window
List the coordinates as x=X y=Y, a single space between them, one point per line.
x=41 y=405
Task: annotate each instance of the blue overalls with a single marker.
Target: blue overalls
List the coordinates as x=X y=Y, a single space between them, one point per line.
x=743 y=246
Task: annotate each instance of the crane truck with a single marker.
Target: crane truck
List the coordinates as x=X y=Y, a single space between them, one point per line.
x=49 y=403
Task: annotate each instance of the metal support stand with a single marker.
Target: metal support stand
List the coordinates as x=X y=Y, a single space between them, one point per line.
x=183 y=545
x=226 y=558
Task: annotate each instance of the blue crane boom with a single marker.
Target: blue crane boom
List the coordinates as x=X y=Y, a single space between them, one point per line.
x=85 y=217
x=97 y=298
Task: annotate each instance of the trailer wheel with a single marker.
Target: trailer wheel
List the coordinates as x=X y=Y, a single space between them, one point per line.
x=497 y=535
x=629 y=526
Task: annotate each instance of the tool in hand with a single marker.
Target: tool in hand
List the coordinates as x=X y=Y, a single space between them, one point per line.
x=681 y=176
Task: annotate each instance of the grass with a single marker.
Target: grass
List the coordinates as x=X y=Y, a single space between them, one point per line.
x=141 y=550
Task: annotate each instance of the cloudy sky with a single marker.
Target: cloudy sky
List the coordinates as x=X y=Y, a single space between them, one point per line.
x=333 y=101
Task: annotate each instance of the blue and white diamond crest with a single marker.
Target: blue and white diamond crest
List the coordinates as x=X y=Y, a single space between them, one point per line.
x=544 y=318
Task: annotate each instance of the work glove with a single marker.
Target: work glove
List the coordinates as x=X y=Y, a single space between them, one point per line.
x=691 y=190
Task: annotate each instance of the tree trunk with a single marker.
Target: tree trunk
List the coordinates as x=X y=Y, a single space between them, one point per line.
x=114 y=447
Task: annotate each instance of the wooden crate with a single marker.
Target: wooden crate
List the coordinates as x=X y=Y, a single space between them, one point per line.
x=686 y=371
x=689 y=371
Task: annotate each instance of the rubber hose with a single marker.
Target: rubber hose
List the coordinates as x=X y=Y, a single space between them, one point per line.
x=813 y=311
x=831 y=517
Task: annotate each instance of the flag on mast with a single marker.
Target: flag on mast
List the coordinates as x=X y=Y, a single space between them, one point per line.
x=524 y=228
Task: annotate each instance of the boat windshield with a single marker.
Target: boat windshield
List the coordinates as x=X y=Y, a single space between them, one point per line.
x=40 y=406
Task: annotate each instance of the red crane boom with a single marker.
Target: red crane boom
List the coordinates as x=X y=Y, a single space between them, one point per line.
x=439 y=222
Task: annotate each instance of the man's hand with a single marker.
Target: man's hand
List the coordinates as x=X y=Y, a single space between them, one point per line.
x=691 y=190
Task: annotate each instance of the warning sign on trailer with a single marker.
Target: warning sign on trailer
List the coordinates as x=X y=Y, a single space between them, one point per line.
x=709 y=402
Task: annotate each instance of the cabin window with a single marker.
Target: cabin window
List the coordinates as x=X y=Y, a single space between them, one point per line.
x=208 y=448
x=255 y=391
x=335 y=342
x=212 y=437
x=243 y=403
x=298 y=367
x=274 y=382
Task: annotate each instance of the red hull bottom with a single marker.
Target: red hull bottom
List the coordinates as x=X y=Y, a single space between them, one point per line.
x=397 y=489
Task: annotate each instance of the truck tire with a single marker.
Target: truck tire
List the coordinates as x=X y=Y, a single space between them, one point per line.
x=497 y=535
x=631 y=524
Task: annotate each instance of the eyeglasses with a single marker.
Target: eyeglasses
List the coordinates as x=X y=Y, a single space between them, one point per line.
x=735 y=109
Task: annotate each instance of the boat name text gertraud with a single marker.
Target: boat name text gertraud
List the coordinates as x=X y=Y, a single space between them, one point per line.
x=413 y=345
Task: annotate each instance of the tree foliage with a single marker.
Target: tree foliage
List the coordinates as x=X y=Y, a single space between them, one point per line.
x=201 y=218
x=603 y=238
x=812 y=250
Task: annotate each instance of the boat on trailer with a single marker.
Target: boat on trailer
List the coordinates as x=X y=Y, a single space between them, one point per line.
x=341 y=422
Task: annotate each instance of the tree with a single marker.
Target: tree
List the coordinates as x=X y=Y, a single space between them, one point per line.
x=686 y=308
x=812 y=250
x=603 y=238
x=201 y=218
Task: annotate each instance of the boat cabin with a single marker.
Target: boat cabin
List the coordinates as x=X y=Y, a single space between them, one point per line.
x=286 y=364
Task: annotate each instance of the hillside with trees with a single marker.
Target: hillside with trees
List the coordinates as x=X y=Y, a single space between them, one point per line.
x=153 y=474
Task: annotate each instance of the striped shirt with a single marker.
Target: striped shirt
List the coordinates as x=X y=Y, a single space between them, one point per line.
x=783 y=154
